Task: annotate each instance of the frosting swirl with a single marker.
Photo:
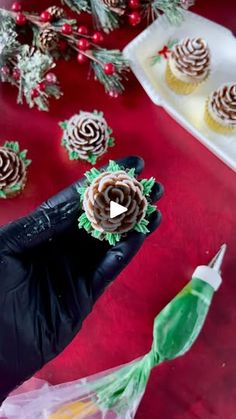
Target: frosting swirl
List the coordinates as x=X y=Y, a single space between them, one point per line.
x=12 y=169
x=121 y=188
x=222 y=104
x=86 y=134
x=190 y=59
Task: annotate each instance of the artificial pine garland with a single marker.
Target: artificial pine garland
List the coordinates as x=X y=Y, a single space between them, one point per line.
x=54 y=36
x=108 y=14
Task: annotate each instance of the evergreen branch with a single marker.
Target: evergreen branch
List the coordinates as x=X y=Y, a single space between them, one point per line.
x=104 y=17
x=171 y=8
x=112 y=83
x=78 y=6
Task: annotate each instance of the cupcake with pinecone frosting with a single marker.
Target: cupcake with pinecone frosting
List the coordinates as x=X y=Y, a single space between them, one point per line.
x=13 y=169
x=86 y=136
x=220 y=112
x=188 y=65
x=120 y=186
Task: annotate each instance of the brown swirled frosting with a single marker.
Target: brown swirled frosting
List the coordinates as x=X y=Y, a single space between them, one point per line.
x=12 y=171
x=121 y=188
x=87 y=133
x=222 y=105
x=190 y=60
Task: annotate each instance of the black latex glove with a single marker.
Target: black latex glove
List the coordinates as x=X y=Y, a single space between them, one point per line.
x=51 y=274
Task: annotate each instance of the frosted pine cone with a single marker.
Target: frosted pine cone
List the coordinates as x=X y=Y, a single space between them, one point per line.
x=112 y=3
x=186 y=4
x=86 y=136
x=12 y=170
x=56 y=12
x=47 y=39
x=121 y=188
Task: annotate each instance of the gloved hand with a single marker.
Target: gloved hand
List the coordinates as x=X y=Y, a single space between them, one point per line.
x=51 y=274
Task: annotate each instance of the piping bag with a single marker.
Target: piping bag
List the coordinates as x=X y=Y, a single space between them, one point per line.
x=117 y=393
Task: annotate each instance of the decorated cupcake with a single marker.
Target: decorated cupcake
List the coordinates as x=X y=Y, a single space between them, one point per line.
x=13 y=169
x=120 y=186
x=220 y=112
x=188 y=65
x=86 y=136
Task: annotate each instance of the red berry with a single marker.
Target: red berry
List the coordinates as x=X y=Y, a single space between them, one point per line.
x=134 y=4
x=16 y=6
x=109 y=69
x=51 y=78
x=20 y=19
x=42 y=86
x=83 y=44
x=83 y=30
x=134 y=18
x=67 y=29
x=114 y=94
x=34 y=93
x=16 y=74
x=45 y=16
x=98 y=38
x=5 y=70
x=81 y=58
x=62 y=44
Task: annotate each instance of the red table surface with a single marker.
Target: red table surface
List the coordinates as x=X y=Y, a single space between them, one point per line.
x=199 y=209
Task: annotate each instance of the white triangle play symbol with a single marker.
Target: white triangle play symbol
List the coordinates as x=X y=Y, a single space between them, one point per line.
x=116 y=209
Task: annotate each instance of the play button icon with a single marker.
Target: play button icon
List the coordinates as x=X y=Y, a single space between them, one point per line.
x=116 y=209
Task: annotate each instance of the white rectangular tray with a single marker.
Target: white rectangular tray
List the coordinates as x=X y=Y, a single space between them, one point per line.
x=187 y=110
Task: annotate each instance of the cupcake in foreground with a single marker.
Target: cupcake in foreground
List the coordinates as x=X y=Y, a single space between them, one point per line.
x=120 y=186
x=86 y=136
x=220 y=112
x=13 y=169
x=188 y=65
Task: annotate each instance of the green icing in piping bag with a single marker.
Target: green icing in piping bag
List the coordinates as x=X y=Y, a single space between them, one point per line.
x=176 y=328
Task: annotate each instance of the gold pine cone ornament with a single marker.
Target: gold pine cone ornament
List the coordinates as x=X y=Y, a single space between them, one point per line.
x=118 y=185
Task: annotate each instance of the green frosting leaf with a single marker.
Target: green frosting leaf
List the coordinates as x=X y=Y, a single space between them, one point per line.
x=12 y=145
x=113 y=166
x=2 y=194
x=92 y=174
x=63 y=141
x=112 y=238
x=141 y=227
x=63 y=124
x=96 y=234
x=131 y=172
x=81 y=191
x=150 y=209
x=97 y=113
x=111 y=142
x=92 y=158
x=73 y=155
x=23 y=154
x=16 y=187
x=84 y=222
x=27 y=162
x=147 y=185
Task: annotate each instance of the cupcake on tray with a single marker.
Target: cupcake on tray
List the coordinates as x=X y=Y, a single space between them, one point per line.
x=13 y=169
x=188 y=65
x=220 y=112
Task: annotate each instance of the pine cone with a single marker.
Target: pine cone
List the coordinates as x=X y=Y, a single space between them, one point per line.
x=56 y=12
x=12 y=172
x=121 y=188
x=87 y=134
x=48 y=39
x=112 y=3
